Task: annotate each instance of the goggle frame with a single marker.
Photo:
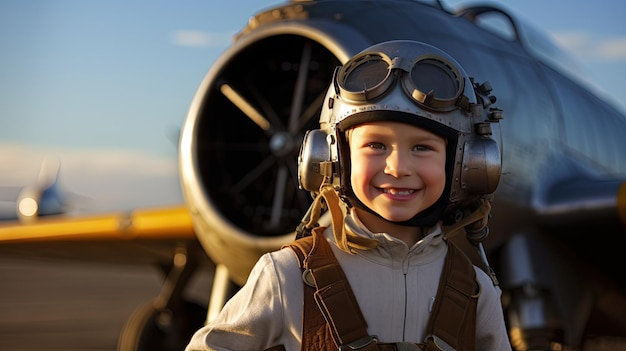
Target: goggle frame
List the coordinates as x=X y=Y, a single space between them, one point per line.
x=400 y=69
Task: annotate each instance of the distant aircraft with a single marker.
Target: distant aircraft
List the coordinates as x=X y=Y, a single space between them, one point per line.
x=559 y=213
x=42 y=198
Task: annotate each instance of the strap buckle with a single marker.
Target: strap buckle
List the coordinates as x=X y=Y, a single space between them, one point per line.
x=442 y=345
x=359 y=343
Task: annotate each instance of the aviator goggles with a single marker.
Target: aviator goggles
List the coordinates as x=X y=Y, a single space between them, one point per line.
x=429 y=80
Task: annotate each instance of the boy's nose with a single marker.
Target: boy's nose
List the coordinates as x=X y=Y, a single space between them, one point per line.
x=397 y=165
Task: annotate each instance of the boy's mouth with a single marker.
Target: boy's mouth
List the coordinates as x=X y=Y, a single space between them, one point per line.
x=401 y=192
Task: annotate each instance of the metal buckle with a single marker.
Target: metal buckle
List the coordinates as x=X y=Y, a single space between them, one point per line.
x=360 y=343
x=442 y=345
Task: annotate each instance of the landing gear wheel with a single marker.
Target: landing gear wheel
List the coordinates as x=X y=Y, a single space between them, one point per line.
x=150 y=329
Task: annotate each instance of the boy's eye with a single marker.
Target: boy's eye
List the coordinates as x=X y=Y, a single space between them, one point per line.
x=422 y=148
x=375 y=145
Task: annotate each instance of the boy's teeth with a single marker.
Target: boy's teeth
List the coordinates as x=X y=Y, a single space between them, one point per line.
x=398 y=192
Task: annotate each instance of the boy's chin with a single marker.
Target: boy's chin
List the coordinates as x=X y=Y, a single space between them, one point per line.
x=390 y=218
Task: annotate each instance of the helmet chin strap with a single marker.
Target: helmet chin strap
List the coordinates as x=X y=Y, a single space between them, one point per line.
x=346 y=240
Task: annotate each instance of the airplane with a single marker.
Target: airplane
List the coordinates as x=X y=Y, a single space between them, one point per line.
x=43 y=198
x=559 y=207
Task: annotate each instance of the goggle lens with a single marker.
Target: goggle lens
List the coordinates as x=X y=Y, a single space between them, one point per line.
x=366 y=75
x=429 y=76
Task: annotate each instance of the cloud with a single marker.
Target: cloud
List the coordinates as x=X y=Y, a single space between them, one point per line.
x=586 y=46
x=193 y=38
x=613 y=49
x=17 y=161
x=109 y=179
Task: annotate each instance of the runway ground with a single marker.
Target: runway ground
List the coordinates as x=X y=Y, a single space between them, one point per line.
x=72 y=306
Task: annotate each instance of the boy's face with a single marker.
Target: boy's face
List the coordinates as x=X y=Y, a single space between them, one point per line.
x=397 y=170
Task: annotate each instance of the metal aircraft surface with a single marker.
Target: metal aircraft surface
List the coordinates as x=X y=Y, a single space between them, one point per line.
x=557 y=215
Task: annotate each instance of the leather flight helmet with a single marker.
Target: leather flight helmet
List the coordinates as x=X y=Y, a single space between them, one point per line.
x=410 y=82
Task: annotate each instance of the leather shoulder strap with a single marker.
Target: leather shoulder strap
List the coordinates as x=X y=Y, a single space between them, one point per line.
x=315 y=333
x=334 y=295
x=452 y=324
x=301 y=248
x=337 y=316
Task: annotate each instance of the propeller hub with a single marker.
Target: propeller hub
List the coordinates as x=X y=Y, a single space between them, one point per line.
x=281 y=144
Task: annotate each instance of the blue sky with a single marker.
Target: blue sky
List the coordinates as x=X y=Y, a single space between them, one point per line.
x=104 y=85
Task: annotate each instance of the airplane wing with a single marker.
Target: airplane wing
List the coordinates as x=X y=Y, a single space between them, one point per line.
x=143 y=236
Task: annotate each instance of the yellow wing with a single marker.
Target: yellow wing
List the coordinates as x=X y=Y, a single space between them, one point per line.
x=156 y=223
x=139 y=236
